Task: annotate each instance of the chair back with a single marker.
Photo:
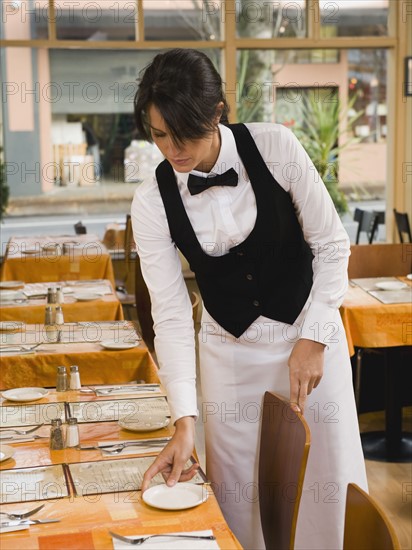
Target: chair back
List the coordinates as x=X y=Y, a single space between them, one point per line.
x=284 y=450
x=367 y=527
x=367 y=223
x=79 y=228
x=380 y=260
x=129 y=247
x=403 y=226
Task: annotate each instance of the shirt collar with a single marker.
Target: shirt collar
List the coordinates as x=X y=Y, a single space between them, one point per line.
x=227 y=158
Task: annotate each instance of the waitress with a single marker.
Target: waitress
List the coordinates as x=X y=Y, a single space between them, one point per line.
x=248 y=210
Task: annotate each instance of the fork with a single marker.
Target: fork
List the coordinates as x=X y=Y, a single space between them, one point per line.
x=122 y=446
x=24 y=515
x=140 y=540
x=22 y=432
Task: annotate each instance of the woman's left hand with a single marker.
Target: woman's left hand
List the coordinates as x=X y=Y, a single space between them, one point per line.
x=305 y=370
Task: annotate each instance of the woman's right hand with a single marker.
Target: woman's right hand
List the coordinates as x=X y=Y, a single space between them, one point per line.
x=171 y=461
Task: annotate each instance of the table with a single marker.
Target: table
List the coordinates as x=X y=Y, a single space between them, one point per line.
x=107 y=308
x=87 y=519
x=51 y=258
x=370 y=323
x=80 y=346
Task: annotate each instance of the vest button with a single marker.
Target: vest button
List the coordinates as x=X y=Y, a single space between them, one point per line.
x=256 y=303
x=240 y=253
x=249 y=277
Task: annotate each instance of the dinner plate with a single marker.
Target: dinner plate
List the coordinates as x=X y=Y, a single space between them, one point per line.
x=12 y=284
x=25 y=394
x=391 y=285
x=87 y=296
x=110 y=344
x=144 y=422
x=179 y=497
x=30 y=251
x=11 y=326
x=409 y=276
x=6 y=452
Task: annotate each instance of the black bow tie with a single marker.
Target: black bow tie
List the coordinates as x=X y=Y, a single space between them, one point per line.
x=197 y=184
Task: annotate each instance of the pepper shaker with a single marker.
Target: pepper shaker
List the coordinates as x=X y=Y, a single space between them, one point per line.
x=61 y=381
x=56 y=435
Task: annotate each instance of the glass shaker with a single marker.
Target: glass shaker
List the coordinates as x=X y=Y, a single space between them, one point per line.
x=72 y=433
x=75 y=378
x=56 y=435
x=61 y=380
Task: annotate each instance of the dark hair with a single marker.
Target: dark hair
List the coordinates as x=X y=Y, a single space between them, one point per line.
x=185 y=87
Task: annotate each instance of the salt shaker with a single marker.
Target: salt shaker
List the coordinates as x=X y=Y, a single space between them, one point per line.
x=72 y=433
x=59 y=295
x=75 y=378
x=61 y=381
x=56 y=435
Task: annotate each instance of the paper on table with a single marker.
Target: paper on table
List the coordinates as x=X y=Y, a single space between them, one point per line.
x=114 y=476
x=403 y=296
x=369 y=283
x=38 y=483
x=12 y=416
x=4 y=529
x=127 y=409
x=173 y=544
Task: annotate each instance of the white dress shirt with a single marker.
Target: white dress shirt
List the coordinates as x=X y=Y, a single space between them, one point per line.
x=223 y=217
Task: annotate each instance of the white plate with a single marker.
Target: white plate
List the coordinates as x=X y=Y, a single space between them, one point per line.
x=409 y=276
x=144 y=422
x=6 y=452
x=391 y=285
x=110 y=344
x=179 y=497
x=25 y=394
x=30 y=251
x=12 y=284
x=11 y=326
x=87 y=296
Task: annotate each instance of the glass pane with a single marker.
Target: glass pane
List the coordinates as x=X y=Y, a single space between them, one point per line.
x=262 y=19
x=97 y=20
x=354 y=17
x=338 y=109
x=24 y=20
x=91 y=97
x=182 y=19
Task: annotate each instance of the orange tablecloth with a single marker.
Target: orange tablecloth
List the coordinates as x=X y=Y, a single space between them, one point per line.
x=371 y=324
x=107 y=308
x=89 y=259
x=96 y=364
x=87 y=520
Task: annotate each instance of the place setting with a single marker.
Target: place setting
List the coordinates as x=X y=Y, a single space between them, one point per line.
x=22 y=518
x=388 y=290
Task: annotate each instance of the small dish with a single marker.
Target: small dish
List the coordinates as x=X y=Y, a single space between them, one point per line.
x=87 y=296
x=179 y=497
x=391 y=285
x=112 y=345
x=11 y=326
x=25 y=394
x=6 y=452
x=12 y=284
x=144 y=422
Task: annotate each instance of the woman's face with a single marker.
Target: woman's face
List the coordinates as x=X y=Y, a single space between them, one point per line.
x=200 y=154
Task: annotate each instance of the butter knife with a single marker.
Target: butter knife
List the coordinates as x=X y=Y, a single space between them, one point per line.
x=17 y=522
x=137 y=443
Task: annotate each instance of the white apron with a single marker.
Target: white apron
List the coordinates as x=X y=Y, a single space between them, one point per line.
x=235 y=373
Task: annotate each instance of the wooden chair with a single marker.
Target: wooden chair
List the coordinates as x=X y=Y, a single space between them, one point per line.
x=367 y=527
x=376 y=260
x=284 y=450
x=403 y=226
x=126 y=298
x=367 y=223
x=379 y=260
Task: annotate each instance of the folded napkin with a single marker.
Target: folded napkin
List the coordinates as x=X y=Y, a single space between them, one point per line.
x=172 y=543
x=96 y=289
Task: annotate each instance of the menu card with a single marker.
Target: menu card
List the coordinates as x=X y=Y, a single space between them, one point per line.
x=127 y=409
x=39 y=483
x=29 y=415
x=113 y=476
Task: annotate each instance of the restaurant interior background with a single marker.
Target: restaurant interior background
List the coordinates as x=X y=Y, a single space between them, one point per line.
x=69 y=71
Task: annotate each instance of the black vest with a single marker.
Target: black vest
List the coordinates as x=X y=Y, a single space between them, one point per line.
x=269 y=273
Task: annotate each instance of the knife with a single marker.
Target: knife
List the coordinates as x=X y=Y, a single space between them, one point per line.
x=137 y=443
x=17 y=522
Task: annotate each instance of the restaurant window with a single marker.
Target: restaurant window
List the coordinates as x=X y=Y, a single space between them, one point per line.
x=182 y=20
x=24 y=20
x=260 y=19
x=96 y=21
x=353 y=17
x=280 y=87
